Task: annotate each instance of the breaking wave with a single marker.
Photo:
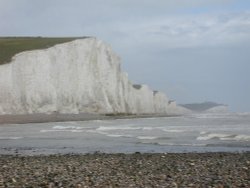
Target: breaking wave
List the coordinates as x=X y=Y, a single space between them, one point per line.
x=119 y=135
x=111 y=128
x=60 y=128
x=233 y=137
x=146 y=137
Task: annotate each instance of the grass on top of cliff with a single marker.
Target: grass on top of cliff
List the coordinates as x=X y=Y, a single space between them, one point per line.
x=10 y=46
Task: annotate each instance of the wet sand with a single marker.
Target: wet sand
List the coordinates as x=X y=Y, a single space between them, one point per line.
x=43 y=118
x=127 y=170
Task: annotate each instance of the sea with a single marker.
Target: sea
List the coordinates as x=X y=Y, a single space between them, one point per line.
x=192 y=133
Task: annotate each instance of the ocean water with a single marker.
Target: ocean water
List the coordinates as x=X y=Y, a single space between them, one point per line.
x=193 y=133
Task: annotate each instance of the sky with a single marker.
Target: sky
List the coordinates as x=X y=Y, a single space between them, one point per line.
x=193 y=50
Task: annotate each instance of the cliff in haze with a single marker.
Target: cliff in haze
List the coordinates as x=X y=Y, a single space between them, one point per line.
x=207 y=107
x=80 y=76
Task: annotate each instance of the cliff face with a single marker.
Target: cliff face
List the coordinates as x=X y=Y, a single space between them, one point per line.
x=75 y=77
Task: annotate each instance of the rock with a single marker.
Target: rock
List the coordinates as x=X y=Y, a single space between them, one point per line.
x=163 y=177
x=174 y=185
x=13 y=180
x=192 y=164
x=78 y=185
x=245 y=168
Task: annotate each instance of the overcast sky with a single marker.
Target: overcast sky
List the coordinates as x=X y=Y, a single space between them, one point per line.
x=193 y=50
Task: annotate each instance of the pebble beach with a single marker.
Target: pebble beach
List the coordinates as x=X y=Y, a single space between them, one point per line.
x=127 y=170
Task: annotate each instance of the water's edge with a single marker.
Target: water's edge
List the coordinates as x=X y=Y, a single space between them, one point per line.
x=46 y=118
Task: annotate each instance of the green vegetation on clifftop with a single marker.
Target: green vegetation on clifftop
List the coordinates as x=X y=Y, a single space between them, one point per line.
x=10 y=46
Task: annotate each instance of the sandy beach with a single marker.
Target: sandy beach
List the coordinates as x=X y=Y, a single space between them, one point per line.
x=127 y=170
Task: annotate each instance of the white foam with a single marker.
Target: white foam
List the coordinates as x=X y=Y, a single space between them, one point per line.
x=152 y=128
x=119 y=135
x=60 y=127
x=11 y=138
x=175 y=144
x=225 y=137
x=61 y=130
x=148 y=128
x=173 y=130
x=238 y=138
x=212 y=136
x=76 y=131
x=211 y=116
x=146 y=137
x=172 y=144
x=243 y=137
x=111 y=128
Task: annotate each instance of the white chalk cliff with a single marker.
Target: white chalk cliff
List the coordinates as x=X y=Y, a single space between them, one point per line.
x=75 y=77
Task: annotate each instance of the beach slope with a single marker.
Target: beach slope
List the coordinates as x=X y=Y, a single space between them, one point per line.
x=127 y=170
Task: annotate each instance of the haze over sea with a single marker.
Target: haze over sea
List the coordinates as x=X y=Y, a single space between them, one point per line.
x=192 y=133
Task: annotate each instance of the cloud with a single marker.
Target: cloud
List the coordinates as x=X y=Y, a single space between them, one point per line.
x=79 y=17
x=182 y=32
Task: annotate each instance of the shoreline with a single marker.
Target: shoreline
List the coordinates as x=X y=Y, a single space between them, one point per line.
x=127 y=170
x=45 y=118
